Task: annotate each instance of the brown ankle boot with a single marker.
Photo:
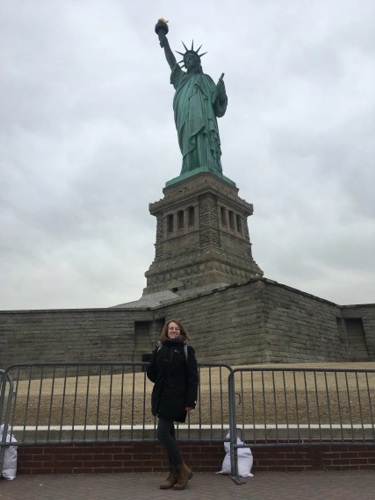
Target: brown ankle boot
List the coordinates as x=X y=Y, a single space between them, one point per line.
x=171 y=479
x=184 y=474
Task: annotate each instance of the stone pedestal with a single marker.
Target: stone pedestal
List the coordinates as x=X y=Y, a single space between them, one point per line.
x=202 y=236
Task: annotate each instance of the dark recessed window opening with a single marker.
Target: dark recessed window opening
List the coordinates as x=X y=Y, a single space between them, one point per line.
x=223 y=214
x=231 y=220
x=180 y=219
x=170 y=223
x=191 y=216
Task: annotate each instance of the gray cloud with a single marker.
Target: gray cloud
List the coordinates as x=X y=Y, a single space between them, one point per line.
x=87 y=141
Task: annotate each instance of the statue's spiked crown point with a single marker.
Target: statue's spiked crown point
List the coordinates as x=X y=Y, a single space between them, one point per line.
x=190 y=51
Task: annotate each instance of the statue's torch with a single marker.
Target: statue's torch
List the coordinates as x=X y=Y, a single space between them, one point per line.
x=161 y=29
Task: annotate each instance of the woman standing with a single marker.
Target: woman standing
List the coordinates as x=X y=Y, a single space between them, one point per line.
x=173 y=369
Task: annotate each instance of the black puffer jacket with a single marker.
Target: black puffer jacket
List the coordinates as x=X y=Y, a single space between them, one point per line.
x=175 y=376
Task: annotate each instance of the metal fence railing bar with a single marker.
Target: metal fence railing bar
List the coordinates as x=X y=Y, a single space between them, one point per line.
x=110 y=402
x=306 y=402
x=52 y=403
x=6 y=396
x=295 y=406
x=101 y=402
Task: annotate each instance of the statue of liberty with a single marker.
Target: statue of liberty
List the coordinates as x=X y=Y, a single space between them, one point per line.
x=197 y=104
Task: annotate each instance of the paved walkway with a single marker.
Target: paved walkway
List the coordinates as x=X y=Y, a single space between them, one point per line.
x=350 y=485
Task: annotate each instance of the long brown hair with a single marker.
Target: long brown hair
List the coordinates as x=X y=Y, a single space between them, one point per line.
x=164 y=332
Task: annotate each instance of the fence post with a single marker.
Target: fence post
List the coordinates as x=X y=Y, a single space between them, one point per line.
x=233 y=430
x=4 y=378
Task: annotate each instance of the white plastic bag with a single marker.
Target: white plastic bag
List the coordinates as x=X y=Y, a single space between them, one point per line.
x=244 y=460
x=9 y=469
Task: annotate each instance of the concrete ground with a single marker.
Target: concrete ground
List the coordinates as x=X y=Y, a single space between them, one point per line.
x=340 y=485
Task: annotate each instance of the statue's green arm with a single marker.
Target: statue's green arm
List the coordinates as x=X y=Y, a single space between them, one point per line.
x=221 y=92
x=167 y=50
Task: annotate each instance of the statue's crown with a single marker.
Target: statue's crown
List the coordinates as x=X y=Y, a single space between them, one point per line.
x=190 y=51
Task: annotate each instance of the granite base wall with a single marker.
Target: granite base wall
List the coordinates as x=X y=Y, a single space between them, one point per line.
x=259 y=321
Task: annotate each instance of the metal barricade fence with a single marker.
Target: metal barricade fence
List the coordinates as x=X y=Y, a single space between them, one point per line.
x=50 y=403
x=295 y=406
x=54 y=403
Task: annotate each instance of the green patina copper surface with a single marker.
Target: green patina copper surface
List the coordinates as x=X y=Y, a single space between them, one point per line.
x=197 y=104
x=186 y=175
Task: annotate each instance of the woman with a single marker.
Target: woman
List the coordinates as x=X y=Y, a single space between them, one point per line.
x=173 y=369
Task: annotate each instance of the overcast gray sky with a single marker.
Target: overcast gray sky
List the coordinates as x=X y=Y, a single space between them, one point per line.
x=87 y=141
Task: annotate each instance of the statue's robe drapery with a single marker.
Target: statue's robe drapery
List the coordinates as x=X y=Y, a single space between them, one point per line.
x=196 y=106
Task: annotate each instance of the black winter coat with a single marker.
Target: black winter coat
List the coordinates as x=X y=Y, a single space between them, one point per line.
x=175 y=376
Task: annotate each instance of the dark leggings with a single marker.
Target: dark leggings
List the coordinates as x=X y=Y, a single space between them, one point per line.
x=166 y=435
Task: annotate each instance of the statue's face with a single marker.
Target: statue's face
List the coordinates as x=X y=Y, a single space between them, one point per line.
x=191 y=61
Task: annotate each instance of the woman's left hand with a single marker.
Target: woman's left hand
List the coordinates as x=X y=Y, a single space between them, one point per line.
x=188 y=409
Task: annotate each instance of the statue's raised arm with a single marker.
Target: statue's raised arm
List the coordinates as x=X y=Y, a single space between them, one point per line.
x=162 y=29
x=197 y=104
